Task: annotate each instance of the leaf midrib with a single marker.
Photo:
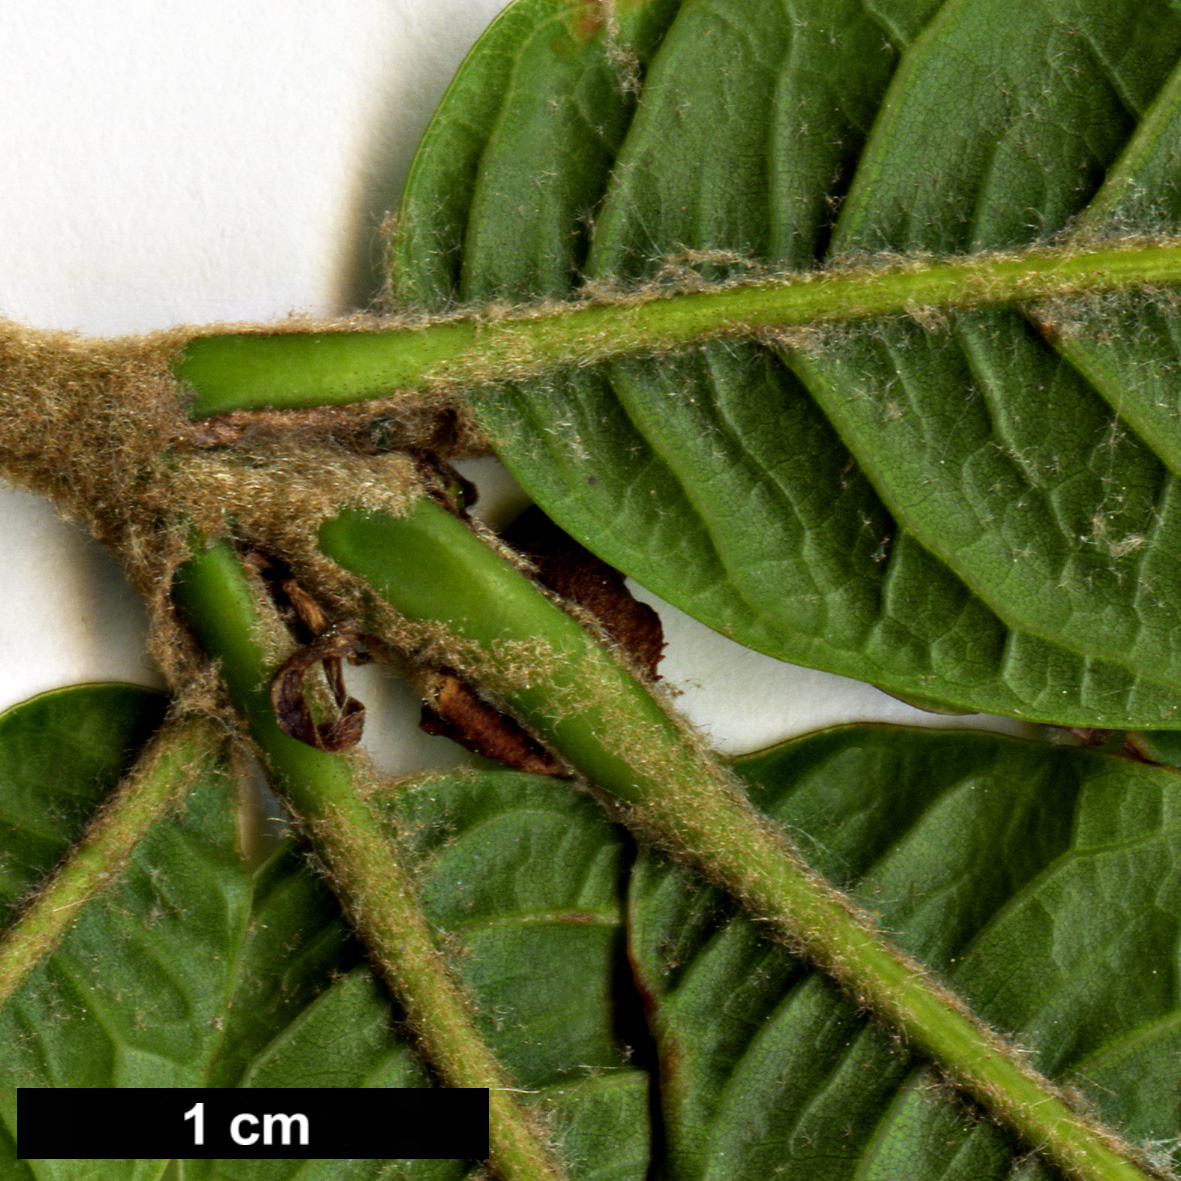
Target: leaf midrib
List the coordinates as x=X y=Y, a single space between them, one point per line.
x=294 y=370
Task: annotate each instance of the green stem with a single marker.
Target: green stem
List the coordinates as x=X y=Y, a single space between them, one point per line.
x=180 y=753
x=322 y=789
x=549 y=671
x=299 y=370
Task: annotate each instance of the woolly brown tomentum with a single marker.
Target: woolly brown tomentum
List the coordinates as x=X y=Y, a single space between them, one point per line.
x=100 y=428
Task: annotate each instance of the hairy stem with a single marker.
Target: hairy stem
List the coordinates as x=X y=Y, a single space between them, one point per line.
x=548 y=670
x=178 y=755
x=322 y=790
x=254 y=371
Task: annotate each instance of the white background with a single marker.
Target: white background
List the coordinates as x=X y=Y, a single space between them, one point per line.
x=169 y=162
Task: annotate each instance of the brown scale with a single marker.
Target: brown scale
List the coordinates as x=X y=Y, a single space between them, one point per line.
x=570 y=570
x=324 y=643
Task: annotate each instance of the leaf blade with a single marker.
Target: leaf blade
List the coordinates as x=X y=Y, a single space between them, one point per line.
x=768 y=1051
x=1097 y=650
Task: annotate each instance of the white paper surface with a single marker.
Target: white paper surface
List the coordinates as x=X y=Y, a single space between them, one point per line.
x=181 y=162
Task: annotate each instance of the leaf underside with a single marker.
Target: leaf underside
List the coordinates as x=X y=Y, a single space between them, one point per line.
x=644 y=1011
x=978 y=508
x=192 y=971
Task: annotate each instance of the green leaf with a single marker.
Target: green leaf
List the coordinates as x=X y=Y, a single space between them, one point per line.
x=60 y=754
x=1043 y=882
x=977 y=508
x=191 y=971
x=195 y=971
x=983 y=855
x=1036 y=880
